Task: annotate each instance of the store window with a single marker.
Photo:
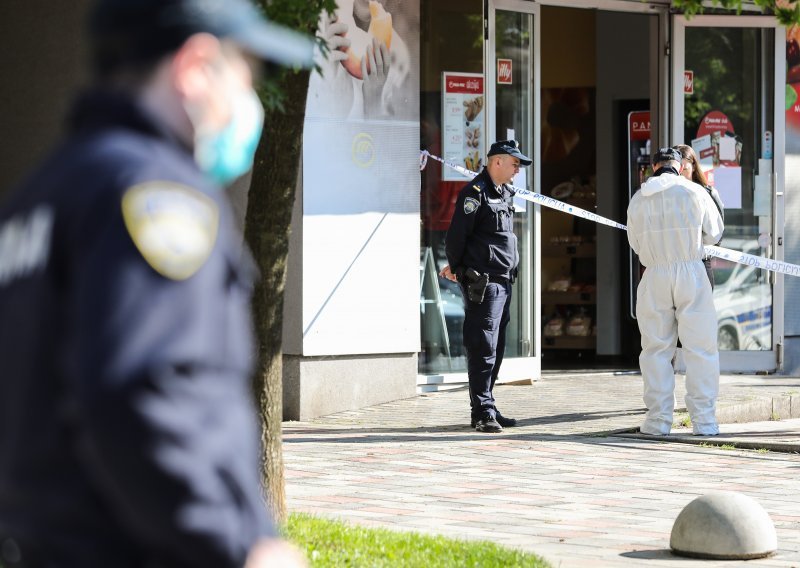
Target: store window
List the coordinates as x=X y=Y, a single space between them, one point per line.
x=451 y=44
x=728 y=121
x=513 y=33
x=454 y=120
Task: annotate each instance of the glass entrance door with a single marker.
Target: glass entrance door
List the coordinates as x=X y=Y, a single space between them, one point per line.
x=728 y=75
x=512 y=104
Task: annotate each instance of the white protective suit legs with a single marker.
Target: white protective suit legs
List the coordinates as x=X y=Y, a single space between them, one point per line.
x=676 y=300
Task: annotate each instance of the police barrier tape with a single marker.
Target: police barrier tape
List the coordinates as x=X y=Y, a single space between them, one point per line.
x=720 y=252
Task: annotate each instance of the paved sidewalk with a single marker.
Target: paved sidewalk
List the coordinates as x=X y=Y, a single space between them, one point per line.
x=559 y=484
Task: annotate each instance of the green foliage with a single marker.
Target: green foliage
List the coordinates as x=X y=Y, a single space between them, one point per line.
x=787 y=13
x=722 y=60
x=333 y=544
x=300 y=15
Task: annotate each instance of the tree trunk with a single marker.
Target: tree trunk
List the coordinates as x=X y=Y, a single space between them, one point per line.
x=269 y=211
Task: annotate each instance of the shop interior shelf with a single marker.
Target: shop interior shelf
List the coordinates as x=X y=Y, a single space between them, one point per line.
x=569 y=297
x=569 y=342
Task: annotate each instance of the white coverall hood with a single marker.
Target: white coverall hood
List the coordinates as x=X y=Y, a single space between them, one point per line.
x=656 y=184
x=669 y=220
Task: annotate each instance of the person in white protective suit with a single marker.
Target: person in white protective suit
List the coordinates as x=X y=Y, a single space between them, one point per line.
x=669 y=220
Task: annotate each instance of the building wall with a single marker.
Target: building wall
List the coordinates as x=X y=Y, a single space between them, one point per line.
x=623 y=67
x=317 y=386
x=352 y=326
x=42 y=64
x=791 y=364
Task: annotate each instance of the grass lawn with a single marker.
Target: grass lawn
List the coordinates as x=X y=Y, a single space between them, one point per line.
x=333 y=543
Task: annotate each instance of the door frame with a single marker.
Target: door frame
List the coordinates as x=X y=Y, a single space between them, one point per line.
x=659 y=86
x=521 y=367
x=744 y=361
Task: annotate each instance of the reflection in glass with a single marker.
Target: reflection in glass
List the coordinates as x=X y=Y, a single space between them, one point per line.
x=451 y=40
x=725 y=119
x=513 y=119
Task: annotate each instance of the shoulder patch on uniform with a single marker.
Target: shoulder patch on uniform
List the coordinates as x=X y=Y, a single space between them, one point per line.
x=470 y=205
x=174 y=226
x=476 y=187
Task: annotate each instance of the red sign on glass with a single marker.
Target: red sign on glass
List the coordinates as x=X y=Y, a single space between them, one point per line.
x=639 y=125
x=688 y=82
x=464 y=84
x=504 y=71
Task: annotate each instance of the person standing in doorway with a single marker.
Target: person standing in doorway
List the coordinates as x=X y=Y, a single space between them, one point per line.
x=670 y=219
x=482 y=257
x=691 y=170
x=128 y=433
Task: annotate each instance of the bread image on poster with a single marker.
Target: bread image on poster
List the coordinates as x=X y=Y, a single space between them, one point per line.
x=473 y=107
x=380 y=28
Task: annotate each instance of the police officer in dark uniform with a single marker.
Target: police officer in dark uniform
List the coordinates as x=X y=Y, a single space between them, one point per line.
x=482 y=254
x=128 y=434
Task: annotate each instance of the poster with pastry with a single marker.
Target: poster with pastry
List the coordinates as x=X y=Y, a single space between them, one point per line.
x=463 y=122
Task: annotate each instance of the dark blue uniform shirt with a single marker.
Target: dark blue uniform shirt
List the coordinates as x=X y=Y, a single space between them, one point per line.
x=127 y=431
x=481 y=233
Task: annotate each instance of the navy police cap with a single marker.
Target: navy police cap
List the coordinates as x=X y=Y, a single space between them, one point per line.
x=666 y=155
x=138 y=31
x=510 y=147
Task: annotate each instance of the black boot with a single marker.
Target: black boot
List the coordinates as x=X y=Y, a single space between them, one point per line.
x=487 y=423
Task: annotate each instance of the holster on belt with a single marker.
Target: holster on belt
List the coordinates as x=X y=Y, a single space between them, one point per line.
x=476 y=284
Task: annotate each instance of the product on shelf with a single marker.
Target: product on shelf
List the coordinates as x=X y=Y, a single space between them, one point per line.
x=554 y=327
x=561 y=284
x=579 y=325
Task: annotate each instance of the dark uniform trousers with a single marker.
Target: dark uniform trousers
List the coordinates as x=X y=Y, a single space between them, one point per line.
x=484 y=340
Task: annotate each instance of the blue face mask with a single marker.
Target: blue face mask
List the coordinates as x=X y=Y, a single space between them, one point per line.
x=226 y=154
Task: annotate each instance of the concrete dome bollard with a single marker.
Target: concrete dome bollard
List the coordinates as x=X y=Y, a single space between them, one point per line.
x=723 y=525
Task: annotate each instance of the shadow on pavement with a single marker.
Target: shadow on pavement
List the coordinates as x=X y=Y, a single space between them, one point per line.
x=656 y=554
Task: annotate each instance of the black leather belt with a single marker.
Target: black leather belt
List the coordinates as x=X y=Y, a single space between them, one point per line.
x=498 y=279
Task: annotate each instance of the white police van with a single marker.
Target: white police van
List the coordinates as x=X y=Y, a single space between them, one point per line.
x=743 y=299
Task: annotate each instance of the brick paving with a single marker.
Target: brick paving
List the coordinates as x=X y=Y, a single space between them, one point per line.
x=569 y=483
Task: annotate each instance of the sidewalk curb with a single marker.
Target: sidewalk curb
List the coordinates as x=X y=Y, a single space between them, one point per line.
x=760 y=410
x=773 y=408
x=718 y=441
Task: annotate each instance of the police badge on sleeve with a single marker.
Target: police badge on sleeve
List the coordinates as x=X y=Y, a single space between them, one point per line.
x=173 y=226
x=470 y=205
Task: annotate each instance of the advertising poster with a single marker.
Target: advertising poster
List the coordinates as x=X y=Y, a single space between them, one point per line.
x=361 y=136
x=719 y=150
x=361 y=182
x=462 y=122
x=793 y=90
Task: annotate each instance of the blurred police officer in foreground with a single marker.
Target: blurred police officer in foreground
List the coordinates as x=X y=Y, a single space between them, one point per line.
x=128 y=436
x=482 y=254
